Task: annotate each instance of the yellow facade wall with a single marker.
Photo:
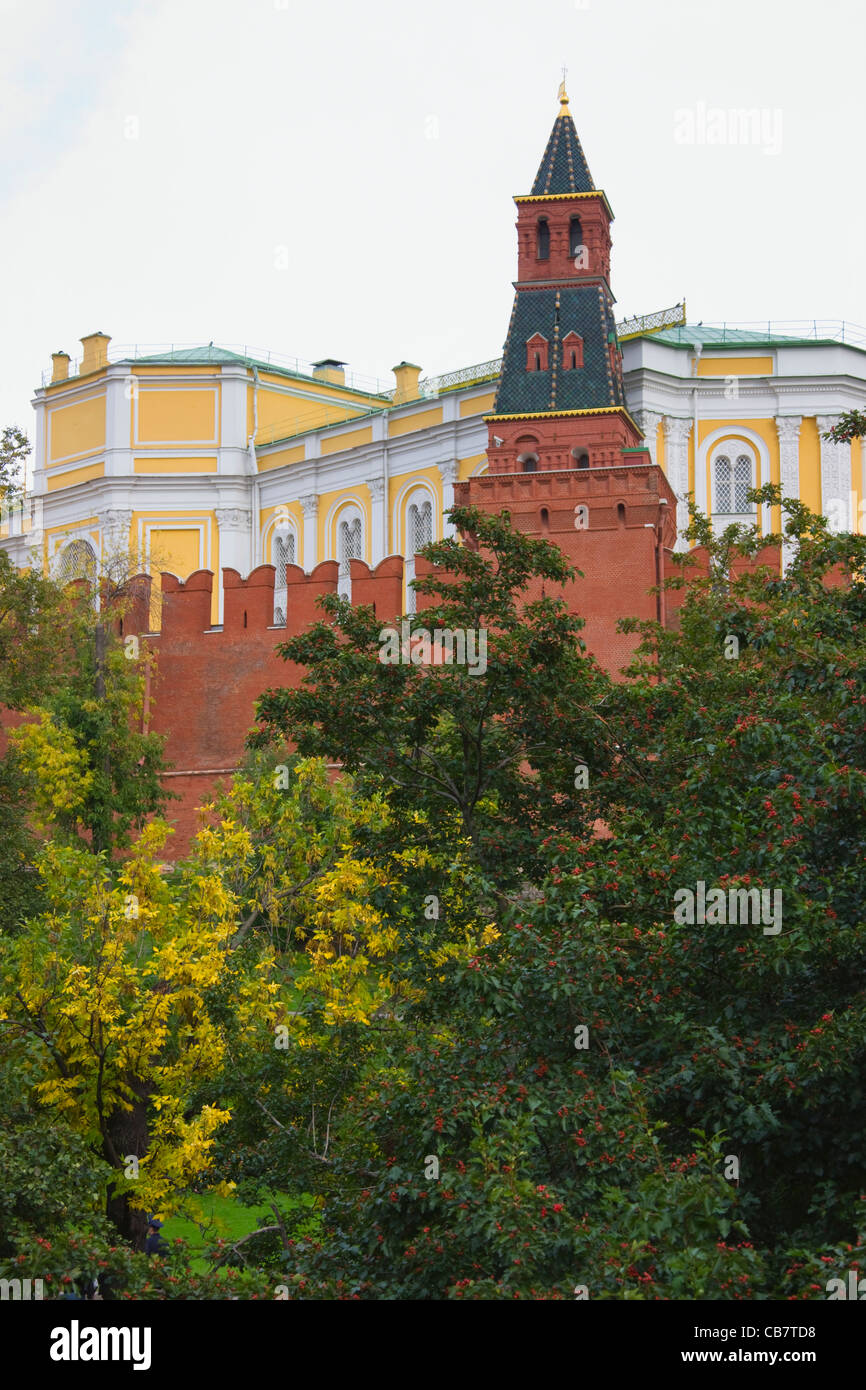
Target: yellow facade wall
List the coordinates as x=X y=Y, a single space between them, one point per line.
x=466 y=467
x=283 y=411
x=282 y=457
x=421 y=420
x=353 y=440
x=174 y=465
x=169 y=368
x=175 y=551
x=77 y=429
x=296 y=515
x=55 y=537
x=478 y=405
x=326 y=542
x=329 y=390
x=735 y=366
x=399 y=489
x=75 y=475
x=178 y=415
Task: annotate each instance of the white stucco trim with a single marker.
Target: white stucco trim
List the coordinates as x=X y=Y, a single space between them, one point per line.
x=762 y=458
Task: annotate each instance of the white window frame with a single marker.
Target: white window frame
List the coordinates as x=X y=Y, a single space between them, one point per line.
x=733 y=450
x=352 y=518
x=419 y=497
x=282 y=534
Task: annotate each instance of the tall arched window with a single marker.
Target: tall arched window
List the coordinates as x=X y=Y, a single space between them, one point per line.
x=733 y=475
x=282 y=554
x=419 y=532
x=77 y=561
x=542 y=239
x=420 y=525
x=350 y=546
x=575 y=236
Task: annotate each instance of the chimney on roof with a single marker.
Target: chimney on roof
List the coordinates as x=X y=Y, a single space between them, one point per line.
x=95 y=352
x=407 y=374
x=330 y=369
x=60 y=366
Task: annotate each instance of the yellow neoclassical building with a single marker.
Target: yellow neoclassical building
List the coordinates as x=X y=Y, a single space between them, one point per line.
x=204 y=458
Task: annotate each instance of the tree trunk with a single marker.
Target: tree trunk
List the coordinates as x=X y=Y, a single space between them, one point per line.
x=127 y=1135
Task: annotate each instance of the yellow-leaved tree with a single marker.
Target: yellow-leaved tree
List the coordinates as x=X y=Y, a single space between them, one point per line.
x=106 y=997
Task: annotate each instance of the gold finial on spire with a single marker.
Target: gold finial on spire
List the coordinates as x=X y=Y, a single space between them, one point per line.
x=563 y=95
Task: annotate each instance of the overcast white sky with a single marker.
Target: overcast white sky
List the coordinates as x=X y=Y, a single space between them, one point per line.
x=335 y=178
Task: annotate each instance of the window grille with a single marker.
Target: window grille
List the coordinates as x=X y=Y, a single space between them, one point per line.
x=78 y=561
x=733 y=481
x=350 y=548
x=282 y=554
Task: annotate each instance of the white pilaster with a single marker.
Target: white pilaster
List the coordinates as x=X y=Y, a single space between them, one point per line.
x=677 y=433
x=121 y=390
x=114 y=524
x=310 y=508
x=788 y=428
x=835 y=476
x=377 y=515
x=234 y=450
x=448 y=474
x=648 y=421
x=234 y=530
x=38 y=483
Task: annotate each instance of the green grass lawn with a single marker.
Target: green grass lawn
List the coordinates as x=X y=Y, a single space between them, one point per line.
x=223 y=1217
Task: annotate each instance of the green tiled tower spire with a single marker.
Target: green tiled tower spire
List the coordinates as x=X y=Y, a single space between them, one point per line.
x=561 y=359
x=563 y=168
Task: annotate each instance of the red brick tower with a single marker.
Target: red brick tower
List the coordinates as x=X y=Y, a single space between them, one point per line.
x=564 y=456
x=560 y=402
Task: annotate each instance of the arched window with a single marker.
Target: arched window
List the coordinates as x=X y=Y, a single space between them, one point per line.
x=419 y=532
x=350 y=546
x=572 y=352
x=527 y=453
x=282 y=554
x=542 y=239
x=575 y=236
x=544 y=518
x=580 y=456
x=620 y=514
x=537 y=350
x=77 y=561
x=420 y=525
x=733 y=475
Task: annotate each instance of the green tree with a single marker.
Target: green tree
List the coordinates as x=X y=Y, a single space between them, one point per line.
x=14 y=452
x=490 y=752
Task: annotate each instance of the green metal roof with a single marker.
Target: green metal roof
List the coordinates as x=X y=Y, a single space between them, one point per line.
x=201 y=356
x=581 y=308
x=687 y=335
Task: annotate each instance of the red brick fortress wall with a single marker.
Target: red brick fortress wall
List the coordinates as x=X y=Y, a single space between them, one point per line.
x=621 y=542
